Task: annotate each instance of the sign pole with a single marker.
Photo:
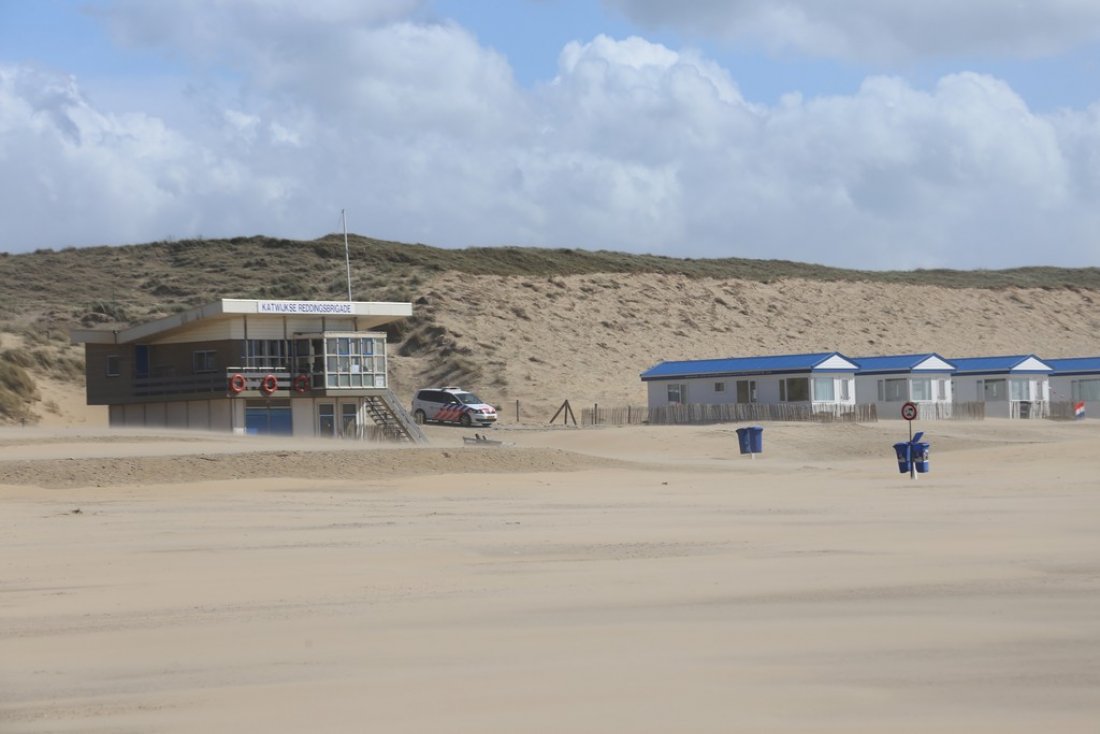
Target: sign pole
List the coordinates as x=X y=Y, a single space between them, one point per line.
x=909 y=413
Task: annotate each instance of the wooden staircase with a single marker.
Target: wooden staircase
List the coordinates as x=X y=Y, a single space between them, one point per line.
x=391 y=417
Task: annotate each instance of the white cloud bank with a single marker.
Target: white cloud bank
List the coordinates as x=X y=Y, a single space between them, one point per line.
x=423 y=135
x=882 y=30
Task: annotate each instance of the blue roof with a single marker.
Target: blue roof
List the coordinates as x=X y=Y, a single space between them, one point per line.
x=894 y=363
x=743 y=365
x=1074 y=365
x=989 y=365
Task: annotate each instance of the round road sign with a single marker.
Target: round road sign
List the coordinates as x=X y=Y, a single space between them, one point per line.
x=909 y=411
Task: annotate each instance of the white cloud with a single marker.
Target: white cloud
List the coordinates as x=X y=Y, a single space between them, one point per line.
x=422 y=135
x=882 y=30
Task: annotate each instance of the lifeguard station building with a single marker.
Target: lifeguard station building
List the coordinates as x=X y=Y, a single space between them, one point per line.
x=302 y=368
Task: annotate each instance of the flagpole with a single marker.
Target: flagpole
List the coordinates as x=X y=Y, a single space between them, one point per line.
x=347 y=253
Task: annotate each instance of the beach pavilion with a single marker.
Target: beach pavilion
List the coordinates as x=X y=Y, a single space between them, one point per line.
x=301 y=368
x=1076 y=380
x=890 y=381
x=1015 y=386
x=821 y=381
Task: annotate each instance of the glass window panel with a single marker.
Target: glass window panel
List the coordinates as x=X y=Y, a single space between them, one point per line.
x=345 y=364
x=1019 y=390
x=368 y=380
x=330 y=346
x=921 y=388
x=368 y=345
x=332 y=380
x=896 y=390
x=332 y=364
x=994 y=390
x=353 y=345
x=798 y=389
x=345 y=380
x=343 y=345
x=823 y=389
x=356 y=365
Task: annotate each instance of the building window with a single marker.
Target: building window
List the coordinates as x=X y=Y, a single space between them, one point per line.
x=1019 y=389
x=823 y=390
x=267 y=354
x=746 y=391
x=677 y=394
x=719 y=387
x=1088 y=390
x=355 y=361
x=794 y=390
x=921 y=388
x=994 y=391
x=113 y=367
x=845 y=390
x=205 y=361
x=896 y=390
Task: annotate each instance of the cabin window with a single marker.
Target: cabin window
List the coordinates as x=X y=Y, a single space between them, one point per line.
x=113 y=365
x=204 y=361
x=824 y=389
x=921 y=388
x=994 y=391
x=1086 y=390
x=897 y=390
x=794 y=390
x=677 y=394
x=845 y=389
x=746 y=391
x=1019 y=390
x=719 y=387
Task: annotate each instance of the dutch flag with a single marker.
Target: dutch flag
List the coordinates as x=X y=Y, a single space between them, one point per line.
x=1079 y=409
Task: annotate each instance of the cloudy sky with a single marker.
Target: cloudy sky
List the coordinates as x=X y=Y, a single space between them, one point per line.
x=859 y=133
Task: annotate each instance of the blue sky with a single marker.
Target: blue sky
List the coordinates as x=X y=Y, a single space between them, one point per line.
x=878 y=134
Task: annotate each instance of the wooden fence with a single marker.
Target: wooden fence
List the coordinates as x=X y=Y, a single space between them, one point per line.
x=699 y=414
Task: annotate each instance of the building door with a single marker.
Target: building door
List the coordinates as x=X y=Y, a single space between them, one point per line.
x=326 y=420
x=349 y=420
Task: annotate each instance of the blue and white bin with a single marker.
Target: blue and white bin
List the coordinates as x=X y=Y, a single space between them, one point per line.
x=902 y=450
x=913 y=455
x=750 y=439
x=920 y=456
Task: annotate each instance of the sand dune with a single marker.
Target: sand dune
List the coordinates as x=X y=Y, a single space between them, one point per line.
x=641 y=579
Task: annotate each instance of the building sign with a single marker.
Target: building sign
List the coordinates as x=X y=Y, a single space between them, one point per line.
x=307 y=308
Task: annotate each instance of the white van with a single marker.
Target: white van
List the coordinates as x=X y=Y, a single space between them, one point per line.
x=452 y=405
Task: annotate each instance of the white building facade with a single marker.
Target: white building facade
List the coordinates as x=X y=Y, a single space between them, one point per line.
x=889 y=382
x=1016 y=386
x=819 y=381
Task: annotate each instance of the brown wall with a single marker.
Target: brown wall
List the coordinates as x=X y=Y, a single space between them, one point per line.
x=166 y=362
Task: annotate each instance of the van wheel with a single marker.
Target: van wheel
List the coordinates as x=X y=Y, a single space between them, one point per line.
x=420 y=418
x=465 y=420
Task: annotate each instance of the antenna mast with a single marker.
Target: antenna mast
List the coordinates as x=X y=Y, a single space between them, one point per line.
x=347 y=253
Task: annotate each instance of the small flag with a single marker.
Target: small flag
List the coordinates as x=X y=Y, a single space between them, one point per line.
x=1079 y=409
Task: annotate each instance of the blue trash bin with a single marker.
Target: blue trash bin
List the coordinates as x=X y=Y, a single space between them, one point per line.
x=756 y=439
x=744 y=441
x=902 y=450
x=920 y=456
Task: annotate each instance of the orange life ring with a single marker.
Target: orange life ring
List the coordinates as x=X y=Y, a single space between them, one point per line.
x=301 y=383
x=237 y=384
x=269 y=384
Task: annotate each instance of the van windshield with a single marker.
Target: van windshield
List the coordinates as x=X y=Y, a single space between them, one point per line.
x=467 y=398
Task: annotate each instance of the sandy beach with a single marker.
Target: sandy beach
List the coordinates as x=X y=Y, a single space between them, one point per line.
x=641 y=579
